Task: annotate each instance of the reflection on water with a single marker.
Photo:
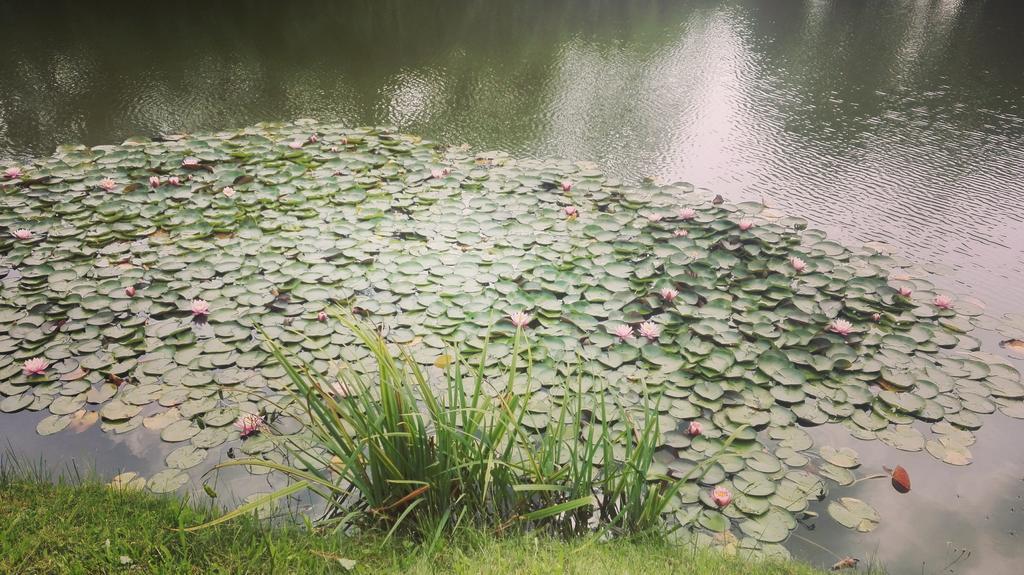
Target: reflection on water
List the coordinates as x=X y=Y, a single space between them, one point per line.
x=970 y=518
x=877 y=120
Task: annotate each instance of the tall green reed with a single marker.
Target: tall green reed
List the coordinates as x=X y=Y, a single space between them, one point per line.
x=393 y=453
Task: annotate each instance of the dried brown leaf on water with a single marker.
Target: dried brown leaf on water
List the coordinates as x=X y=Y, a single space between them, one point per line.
x=73 y=375
x=845 y=563
x=1013 y=345
x=900 y=478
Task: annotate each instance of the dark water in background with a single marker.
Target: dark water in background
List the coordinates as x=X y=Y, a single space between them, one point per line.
x=879 y=120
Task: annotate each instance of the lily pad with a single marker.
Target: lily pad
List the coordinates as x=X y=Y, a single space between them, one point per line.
x=854 y=514
x=167 y=481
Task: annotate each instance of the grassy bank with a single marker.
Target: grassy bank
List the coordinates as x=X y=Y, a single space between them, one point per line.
x=89 y=528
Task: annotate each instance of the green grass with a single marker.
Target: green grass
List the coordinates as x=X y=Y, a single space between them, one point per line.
x=64 y=527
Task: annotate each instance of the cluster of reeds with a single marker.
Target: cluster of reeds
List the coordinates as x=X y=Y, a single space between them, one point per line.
x=393 y=452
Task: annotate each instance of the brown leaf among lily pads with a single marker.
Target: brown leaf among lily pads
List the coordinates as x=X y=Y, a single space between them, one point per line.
x=900 y=478
x=76 y=374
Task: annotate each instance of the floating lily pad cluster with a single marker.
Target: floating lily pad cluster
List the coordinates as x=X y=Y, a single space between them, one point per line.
x=733 y=315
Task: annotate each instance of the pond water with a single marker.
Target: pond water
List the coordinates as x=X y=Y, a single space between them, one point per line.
x=878 y=121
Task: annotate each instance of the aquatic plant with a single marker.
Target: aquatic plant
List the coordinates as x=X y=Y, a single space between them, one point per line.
x=200 y=307
x=650 y=330
x=668 y=294
x=437 y=263
x=12 y=173
x=396 y=452
x=519 y=319
x=35 y=366
x=22 y=234
x=623 y=332
x=249 y=424
x=841 y=326
x=721 y=496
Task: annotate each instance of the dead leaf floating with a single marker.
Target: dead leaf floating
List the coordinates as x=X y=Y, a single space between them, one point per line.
x=900 y=478
x=1013 y=345
x=845 y=563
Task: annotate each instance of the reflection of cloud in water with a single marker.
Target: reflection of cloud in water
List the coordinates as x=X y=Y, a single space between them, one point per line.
x=90 y=451
x=139 y=442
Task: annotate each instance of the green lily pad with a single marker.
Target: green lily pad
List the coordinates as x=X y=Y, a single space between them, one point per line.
x=854 y=514
x=840 y=457
x=167 y=481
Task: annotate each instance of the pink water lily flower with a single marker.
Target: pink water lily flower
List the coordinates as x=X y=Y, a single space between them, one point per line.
x=174 y=181
x=694 y=429
x=295 y=144
x=654 y=217
x=314 y=138
x=129 y=291
x=436 y=173
x=943 y=301
x=721 y=496
x=322 y=316
x=22 y=234
x=190 y=162
x=624 y=332
x=571 y=211
x=687 y=213
x=566 y=185
x=229 y=191
x=876 y=317
x=746 y=225
x=334 y=148
x=905 y=291
x=12 y=172
x=200 y=307
x=668 y=294
x=154 y=182
x=35 y=366
x=841 y=327
x=249 y=424
x=108 y=184
x=650 y=330
x=520 y=319
x=798 y=264
x=680 y=233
